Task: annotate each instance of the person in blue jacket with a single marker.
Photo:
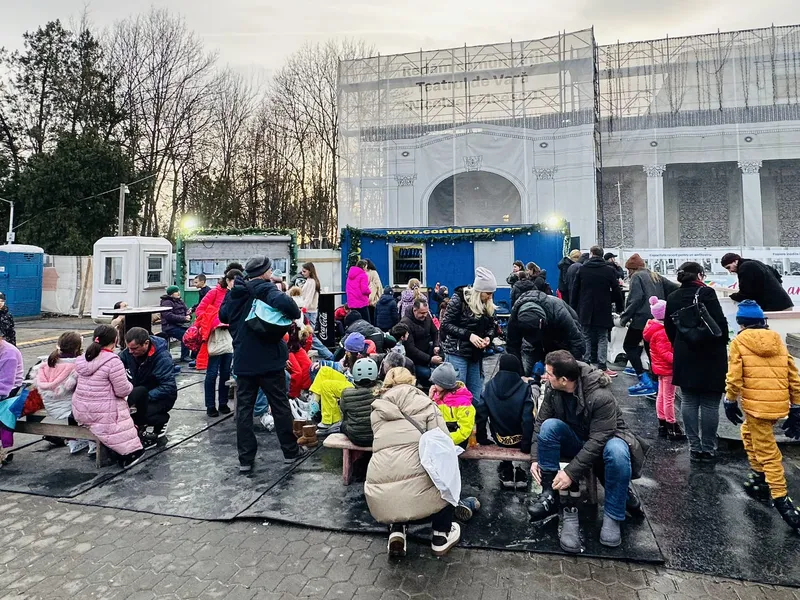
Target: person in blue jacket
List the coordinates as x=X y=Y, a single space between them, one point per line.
x=259 y=361
x=149 y=365
x=386 y=315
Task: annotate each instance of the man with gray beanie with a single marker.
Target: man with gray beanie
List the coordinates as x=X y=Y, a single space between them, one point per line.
x=259 y=361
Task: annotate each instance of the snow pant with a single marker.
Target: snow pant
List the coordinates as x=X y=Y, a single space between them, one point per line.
x=763 y=453
x=329 y=385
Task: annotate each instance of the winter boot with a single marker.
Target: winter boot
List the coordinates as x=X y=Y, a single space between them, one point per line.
x=297 y=427
x=309 y=437
x=548 y=502
x=756 y=487
x=610 y=534
x=443 y=541
x=662 y=428
x=675 y=433
x=789 y=513
x=645 y=387
x=520 y=478
x=633 y=506
x=397 y=541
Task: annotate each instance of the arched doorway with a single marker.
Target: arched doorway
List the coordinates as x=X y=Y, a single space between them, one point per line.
x=474 y=198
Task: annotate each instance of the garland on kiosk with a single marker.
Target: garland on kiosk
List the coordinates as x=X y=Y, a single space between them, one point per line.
x=356 y=236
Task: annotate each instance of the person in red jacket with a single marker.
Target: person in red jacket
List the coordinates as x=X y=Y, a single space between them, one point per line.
x=299 y=364
x=661 y=365
x=358 y=290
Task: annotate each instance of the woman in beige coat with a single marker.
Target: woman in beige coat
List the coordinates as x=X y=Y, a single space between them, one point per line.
x=398 y=489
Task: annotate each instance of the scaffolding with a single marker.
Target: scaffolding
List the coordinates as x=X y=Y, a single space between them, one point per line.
x=383 y=100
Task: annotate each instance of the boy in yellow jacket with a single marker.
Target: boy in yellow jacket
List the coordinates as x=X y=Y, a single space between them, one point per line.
x=763 y=374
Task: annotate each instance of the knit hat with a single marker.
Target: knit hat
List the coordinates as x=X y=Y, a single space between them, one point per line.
x=172 y=289
x=444 y=376
x=509 y=362
x=277 y=275
x=388 y=290
x=484 y=280
x=355 y=342
x=575 y=254
x=257 y=266
x=658 y=308
x=634 y=263
x=351 y=318
x=750 y=313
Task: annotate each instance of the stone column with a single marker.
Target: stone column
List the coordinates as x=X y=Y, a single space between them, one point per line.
x=405 y=201
x=655 y=205
x=753 y=218
x=545 y=195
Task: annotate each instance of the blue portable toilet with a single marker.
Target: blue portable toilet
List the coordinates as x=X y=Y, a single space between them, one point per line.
x=21 y=269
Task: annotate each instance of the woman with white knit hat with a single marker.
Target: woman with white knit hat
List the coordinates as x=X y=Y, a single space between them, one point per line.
x=469 y=324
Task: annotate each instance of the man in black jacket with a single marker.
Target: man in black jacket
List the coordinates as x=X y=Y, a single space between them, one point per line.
x=259 y=361
x=611 y=259
x=572 y=273
x=595 y=290
x=563 y=268
x=758 y=282
x=422 y=345
x=579 y=419
x=539 y=324
x=150 y=369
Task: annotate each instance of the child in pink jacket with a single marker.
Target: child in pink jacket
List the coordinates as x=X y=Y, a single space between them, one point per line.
x=357 y=289
x=99 y=398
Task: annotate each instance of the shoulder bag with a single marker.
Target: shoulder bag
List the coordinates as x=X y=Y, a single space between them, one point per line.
x=694 y=322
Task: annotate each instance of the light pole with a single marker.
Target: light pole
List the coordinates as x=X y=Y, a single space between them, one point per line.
x=123 y=189
x=10 y=235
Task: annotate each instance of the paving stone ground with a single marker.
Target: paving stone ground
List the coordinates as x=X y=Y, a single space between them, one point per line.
x=51 y=550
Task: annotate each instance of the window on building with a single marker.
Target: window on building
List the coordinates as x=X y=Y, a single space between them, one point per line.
x=155 y=270
x=112 y=270
x=497 y=257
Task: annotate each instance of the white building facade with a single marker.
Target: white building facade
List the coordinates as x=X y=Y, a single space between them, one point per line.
x=689 y=142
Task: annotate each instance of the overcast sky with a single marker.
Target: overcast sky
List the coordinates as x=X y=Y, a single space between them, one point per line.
x=252 y=35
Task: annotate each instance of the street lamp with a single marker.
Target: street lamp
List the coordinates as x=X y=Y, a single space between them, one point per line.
x=10 y=235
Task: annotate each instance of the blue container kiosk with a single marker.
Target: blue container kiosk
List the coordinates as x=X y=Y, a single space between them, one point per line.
x=449 y=255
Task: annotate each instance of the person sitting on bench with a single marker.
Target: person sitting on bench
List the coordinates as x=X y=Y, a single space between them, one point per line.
x=149 y=365
x=579 y=419
x=11 y=374
x=99 y=398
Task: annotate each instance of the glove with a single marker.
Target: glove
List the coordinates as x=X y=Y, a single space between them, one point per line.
x=733 y=412
x=792 y=425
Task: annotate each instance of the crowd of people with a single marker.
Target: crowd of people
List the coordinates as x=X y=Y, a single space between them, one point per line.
x=406 y=375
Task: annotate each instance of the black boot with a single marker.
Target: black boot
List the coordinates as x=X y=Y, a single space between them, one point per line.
x=757 y=488
x=633 y=506
x=789 y=513
x=547 y=503
x=675 y=433
x=662 y=428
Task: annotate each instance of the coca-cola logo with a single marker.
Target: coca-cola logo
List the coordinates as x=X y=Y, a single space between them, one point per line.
x=323 y=327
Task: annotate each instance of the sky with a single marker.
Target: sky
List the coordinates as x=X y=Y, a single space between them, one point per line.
x=257 y=35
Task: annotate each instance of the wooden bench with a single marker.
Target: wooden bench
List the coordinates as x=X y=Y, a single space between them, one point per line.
x=351 y=453
x=41 y=424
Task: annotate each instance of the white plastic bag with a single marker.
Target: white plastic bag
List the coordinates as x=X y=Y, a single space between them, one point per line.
x=439 y=457
x=268 y=422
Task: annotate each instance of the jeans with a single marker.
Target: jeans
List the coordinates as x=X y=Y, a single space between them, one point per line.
x=557 y=439
x=217 y=365
x=177 y=332
x=261 y=404
x=469 y=372
x=322 y=351
x=312 y=319
x=274 y=387
x=596 y=339
x=423 y=373
x=700 y=412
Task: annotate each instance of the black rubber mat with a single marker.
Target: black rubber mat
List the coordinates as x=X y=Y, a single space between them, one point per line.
x=198 y=479
x=43 y=470
x=501 y=524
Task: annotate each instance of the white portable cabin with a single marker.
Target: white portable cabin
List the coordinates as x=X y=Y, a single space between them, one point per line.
x=131 y=269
